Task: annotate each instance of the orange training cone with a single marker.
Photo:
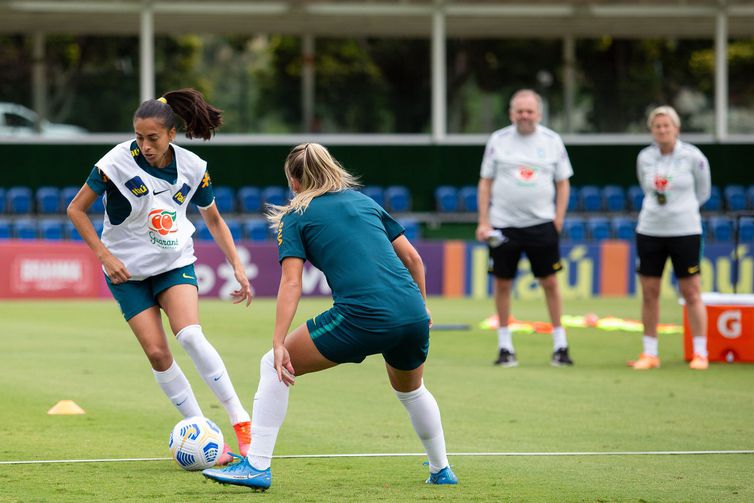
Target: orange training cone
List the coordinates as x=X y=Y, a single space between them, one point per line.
x=66 y=407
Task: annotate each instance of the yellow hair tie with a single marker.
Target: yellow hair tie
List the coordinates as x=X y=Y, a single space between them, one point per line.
x=162 y=99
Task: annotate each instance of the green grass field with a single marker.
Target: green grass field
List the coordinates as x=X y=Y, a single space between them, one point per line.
x=83 y=351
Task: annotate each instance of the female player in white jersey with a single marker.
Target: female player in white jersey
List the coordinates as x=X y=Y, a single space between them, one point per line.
x=675 y=177
x=146 y=248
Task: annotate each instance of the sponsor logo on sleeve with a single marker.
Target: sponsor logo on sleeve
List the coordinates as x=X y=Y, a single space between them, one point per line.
x=137 y=187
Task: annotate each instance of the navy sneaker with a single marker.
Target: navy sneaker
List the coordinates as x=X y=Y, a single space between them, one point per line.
x=241 y=473
x=506 y=359
x=443 y=477
x=560 y=358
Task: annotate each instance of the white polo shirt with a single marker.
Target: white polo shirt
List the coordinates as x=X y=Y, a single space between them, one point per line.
x=524 y=169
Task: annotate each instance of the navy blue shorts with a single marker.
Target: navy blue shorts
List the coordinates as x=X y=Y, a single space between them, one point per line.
x=134 y=297
x=340 y=341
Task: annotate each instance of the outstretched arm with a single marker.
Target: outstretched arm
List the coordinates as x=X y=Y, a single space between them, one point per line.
x=224 y=239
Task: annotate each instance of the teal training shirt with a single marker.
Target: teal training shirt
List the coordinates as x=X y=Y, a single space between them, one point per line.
x=118 y=207
x=349 y=238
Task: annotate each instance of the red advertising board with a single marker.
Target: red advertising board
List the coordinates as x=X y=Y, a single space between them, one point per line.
x=44 y=269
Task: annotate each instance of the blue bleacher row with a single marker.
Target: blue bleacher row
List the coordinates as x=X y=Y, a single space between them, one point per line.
x=610 y=198
x=49 y=200
x=718 y=228
x=52 y=228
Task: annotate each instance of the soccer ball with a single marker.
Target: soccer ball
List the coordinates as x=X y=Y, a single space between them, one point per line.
x=196 y=443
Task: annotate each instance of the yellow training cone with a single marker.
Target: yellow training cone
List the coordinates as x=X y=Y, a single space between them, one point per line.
x=66 y=407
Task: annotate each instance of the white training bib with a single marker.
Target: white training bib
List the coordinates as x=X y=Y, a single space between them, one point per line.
x=156 y=236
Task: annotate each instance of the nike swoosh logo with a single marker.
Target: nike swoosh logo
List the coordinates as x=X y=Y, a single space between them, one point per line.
x=160 y=192
x=187 y=276
x=179 y=404
x=247 y=476
x=218 y=377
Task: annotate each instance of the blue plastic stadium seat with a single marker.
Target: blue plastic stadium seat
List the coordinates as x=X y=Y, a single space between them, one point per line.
x=275 y=195
x=735 y=197
x=599 y=228
x=715 y=201
x=750 y=196
x=236 y=230
x=722 y=228
x=202 y=231
x=467 y=198
x=257 y=230
x=25 y=228
x=614 y=198
x=705 y=228
x=225 y=198
x=412 y=228
x=48 y=200
x=574 y=229
x=398 y=198
x=624 y=228
x=446 y=199
x=635 y=197
x=376 y=193
x=19 y=200
x=3 y=205
x=590 y=198
x=746 y=230
x=66 y=196
x=5 y=230
x=51 y=229
x=573 y=199
x=249 y=199
x=70 y=232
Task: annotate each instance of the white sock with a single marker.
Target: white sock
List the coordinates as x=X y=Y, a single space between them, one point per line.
x=650 y=345
x=212 y=369
x=425 y=417
x=700 y=345
x=178 y=390
x=505 y=339
x=559 y=338
x=270 y=406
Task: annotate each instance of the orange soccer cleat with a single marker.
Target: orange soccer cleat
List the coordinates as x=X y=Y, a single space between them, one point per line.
x=243 y=434
x=646 y=362
x=699 y=362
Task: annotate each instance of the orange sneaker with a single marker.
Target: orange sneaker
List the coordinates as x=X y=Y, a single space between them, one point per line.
x=225 y=457
x=646 y=362
x=699 y=362
x=243 y=434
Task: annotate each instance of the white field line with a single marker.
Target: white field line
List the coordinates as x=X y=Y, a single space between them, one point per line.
x=400 y=454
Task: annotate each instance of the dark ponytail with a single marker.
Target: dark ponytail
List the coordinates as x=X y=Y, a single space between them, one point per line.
x=199 y=117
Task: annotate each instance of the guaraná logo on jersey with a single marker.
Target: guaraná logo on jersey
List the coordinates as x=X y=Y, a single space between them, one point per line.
x=526 y=173
x=180 y=196
x=161 y=223
x=137 y=187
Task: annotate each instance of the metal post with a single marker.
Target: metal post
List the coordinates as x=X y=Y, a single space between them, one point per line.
x=39 y=78
x=439 y=73
x=146 y=51
x=721 y=73
x=569 y=81
x=307 y=83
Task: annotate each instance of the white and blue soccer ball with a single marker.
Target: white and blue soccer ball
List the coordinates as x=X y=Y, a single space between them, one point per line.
x=196 y=443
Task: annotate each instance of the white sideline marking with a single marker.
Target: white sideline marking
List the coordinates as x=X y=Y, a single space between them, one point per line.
x=401 y=454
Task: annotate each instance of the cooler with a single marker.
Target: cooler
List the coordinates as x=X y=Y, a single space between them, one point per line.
x=730 y=328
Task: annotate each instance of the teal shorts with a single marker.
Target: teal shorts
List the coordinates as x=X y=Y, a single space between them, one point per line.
x=136 y=296
x=404 y=347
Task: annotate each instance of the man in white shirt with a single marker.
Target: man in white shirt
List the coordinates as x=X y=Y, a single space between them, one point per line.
x=523 y=196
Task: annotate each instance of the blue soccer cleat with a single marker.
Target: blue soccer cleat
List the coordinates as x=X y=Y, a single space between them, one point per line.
x=443 y=477
x=241 y=473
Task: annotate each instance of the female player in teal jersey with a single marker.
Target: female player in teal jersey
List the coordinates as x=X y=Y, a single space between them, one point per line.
x=377 y=280
x=147 y=251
